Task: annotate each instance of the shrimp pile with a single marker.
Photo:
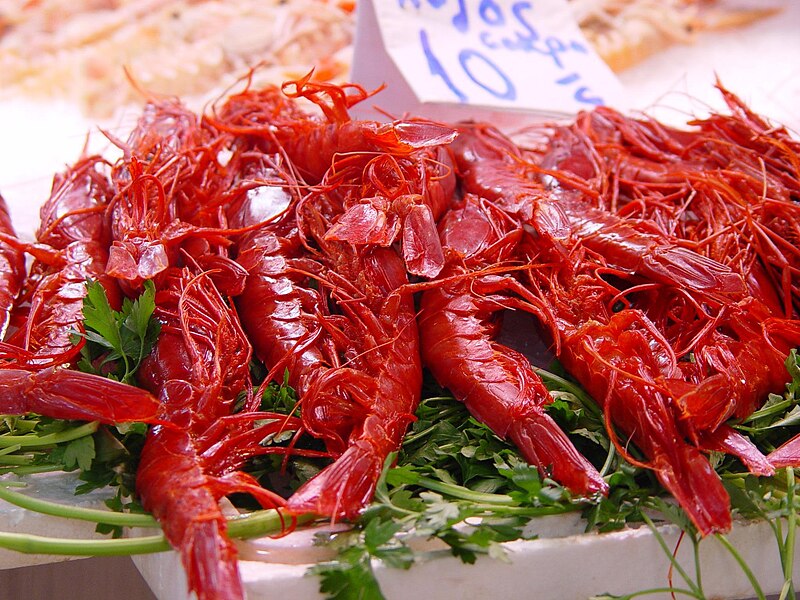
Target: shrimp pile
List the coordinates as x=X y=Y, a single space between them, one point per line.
x=351 y=257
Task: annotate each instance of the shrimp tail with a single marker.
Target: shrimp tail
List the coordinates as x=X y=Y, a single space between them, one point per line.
x=342 y=489
x=728 y=440
x=786 y=455
x=689 y=477
x=541 y=442
x=67 y=394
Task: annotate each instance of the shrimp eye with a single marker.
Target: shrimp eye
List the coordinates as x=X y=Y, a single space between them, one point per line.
x=618 y=306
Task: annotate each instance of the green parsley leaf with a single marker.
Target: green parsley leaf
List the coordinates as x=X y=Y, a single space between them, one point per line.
x=117 y=341
x=79 y=453
x=350 y=578
x=377 y=533
x=99 y=318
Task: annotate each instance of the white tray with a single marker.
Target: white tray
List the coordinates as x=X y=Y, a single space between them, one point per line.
x=560 y=565
x=563 y=563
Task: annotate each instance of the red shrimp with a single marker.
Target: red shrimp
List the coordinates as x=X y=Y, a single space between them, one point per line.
x=66 y=394
x=622 y=360
x=197 y=368
x=325 y=311
x=409 y=169
x=729 y=350
x=280 y=307
x=763 y=148
x=72 y=247
x=12 y=268
x=165 y=184
x=458 y=324
x=493 y=167
x=328 y=316
x=685 y=193
x=291 y=328
x=363 y=407
x=730 y=357
x=148 y=238
x=619 y=362
x=752 y=170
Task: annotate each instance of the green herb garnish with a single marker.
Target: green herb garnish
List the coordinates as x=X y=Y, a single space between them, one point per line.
x=117 y=341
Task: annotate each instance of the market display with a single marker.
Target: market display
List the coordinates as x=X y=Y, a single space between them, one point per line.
x=263 y=242
x=264 y=313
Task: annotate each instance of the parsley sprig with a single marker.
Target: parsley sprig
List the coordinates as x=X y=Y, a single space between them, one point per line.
x=116 y=344
x=117 y=341
x=35 y=444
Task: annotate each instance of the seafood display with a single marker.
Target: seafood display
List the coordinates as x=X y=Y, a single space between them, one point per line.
x=352 y=259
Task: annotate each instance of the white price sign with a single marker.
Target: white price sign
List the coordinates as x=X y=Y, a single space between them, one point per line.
x=523 y=55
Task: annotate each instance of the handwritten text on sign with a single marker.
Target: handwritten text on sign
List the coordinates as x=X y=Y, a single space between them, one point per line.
x=520 y=53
